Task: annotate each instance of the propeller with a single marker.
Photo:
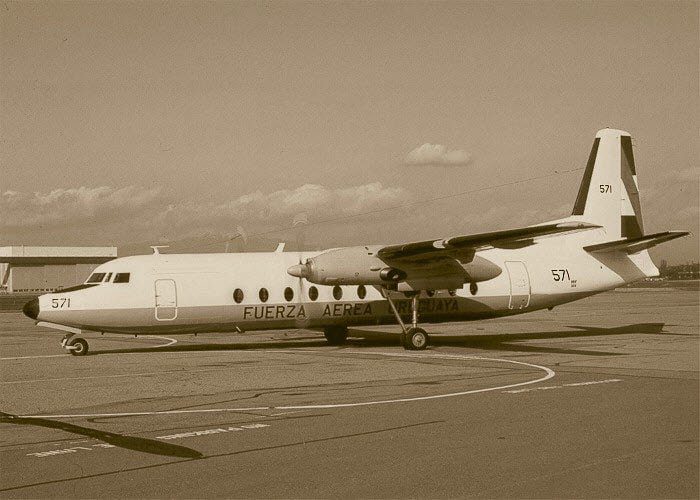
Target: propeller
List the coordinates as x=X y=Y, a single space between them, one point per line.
x=300 y=220
x=301 y=321
x=300 y=270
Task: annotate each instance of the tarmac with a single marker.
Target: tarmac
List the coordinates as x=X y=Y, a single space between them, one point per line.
x=598 y=398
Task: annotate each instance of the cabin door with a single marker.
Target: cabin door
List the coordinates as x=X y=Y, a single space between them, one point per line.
x=166 y=300
x=519 y=285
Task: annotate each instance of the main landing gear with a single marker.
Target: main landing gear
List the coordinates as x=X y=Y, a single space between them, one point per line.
x=336 y=335
x=76 y=346
x=413 y=338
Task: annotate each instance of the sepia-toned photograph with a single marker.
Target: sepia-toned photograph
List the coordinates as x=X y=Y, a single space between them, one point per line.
x=349 y=249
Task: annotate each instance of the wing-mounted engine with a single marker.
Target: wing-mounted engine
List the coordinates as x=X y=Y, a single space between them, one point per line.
x=361 y=265
x=348 y=266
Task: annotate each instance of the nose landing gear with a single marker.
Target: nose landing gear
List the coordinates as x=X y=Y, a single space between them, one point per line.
x=76 y=346
x=413 y=338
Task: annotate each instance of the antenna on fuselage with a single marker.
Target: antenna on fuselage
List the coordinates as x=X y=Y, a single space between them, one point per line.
x=156 y=248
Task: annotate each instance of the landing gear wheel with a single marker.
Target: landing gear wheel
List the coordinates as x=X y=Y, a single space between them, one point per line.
x=78 y=347
x=415 y=339
x=336 y=335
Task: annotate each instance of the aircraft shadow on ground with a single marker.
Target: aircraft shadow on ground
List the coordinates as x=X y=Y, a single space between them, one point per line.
x=128 y=442
x=514 y=342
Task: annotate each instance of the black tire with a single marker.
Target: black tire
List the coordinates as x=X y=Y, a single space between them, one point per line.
x=79 y=347
x=336 y=335
x=416 y=339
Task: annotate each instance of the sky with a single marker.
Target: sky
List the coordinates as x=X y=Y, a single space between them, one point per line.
x=125 y=122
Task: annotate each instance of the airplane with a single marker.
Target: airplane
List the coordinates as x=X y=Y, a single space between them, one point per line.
x=599 y=247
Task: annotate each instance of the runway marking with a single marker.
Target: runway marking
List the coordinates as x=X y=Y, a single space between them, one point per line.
x=576 y=384
x=207 y=432
x=148 y=413
x=74 y=449
x=92 y=377
x=549 y=373
x=170 y=342
x=35 y=357
x=171 y=437
x=284 y=413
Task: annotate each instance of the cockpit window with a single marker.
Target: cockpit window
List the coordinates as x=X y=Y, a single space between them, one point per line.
x=96 y=278
x=122 y=278
x=109 y=277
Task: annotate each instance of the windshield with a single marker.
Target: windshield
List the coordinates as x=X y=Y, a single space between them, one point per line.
x=95 y=278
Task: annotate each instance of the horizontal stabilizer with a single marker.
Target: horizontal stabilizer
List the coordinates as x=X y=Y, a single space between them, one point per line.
x=635 y=245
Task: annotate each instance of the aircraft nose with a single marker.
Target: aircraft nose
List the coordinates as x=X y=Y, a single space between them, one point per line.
x=31 y=308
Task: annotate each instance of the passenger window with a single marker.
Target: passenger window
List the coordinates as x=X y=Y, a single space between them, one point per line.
x=238 y=295
x=313 y=293
x=122 y=278
x=361 y=291
x=263 y=295
x=96 y=278
x=288 y=294
x=337 y=292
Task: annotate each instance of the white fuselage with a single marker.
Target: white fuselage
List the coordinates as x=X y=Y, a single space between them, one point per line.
x=192 y=293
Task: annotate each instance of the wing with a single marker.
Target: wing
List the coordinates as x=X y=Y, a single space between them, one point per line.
x=463 y=248
x=424 y=265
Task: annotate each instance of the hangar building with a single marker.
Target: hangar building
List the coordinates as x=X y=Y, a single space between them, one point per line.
x=25 y=269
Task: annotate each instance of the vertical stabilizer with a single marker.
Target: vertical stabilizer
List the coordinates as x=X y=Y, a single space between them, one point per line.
x=609 y=194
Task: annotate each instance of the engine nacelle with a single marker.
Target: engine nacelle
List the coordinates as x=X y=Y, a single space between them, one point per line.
x=348 y=266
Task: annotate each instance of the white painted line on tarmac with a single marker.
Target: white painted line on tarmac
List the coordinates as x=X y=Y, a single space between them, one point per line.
x=147 y=413
x=169 y=437
x=118 y=375
x=208 y=432
x=74 y=449
x=549 y=373
x=89 y=377
x=170 y=341
x=35 y=357
x=576 y=384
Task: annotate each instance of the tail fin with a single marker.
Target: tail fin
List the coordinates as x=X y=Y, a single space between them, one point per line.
x=609 y=194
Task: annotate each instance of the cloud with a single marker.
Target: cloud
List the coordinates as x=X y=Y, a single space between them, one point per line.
x=281 y=207
x=73 y=206
x=437 y=154
x=132 y=212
